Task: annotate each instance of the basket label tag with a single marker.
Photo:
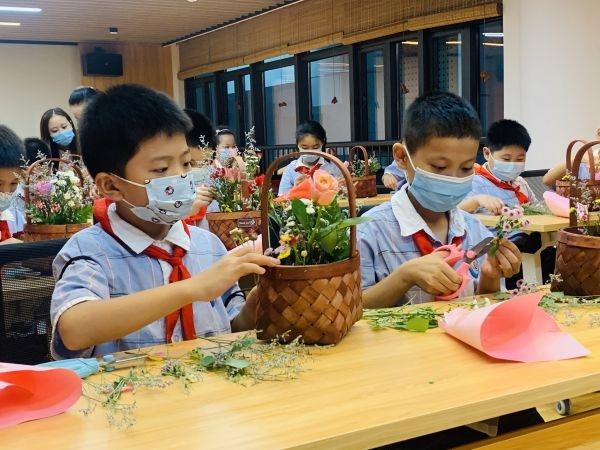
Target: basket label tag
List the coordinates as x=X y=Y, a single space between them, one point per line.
x=246 y=222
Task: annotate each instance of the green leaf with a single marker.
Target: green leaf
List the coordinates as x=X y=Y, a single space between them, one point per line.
x=299 y=210
x=420 y=324
x=329 y=241
x=237 y=363
x=501 y=296
x=353 y=221
x=208 y=361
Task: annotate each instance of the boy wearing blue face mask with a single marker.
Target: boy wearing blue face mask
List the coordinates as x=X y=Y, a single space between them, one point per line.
x=498 y=183
x=12 y=152
x=398 y=264
x=141 y=276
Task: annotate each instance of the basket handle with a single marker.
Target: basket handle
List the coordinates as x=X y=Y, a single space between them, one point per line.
x=331 y=151
x=365 y=155
x=264 y=194
x=586 y=148
x=569 y=151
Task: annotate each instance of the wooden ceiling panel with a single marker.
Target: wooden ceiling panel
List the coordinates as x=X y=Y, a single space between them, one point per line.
x=152 y=21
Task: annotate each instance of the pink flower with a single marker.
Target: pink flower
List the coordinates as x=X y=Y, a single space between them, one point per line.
x=526 y=223
x=505 y=210
x=325 y=187
x=233 y=174
x=518 y=212
x=506 y=227
x=510 y=214
x=43 y=187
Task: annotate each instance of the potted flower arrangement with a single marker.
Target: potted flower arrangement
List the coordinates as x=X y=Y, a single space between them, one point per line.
x=236 y=189
x=577 y=270
x=57 y=204
x=363 y=172
x=316 y=292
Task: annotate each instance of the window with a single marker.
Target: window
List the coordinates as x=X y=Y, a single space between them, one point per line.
x=280 y=105
x=447 y=63
x=408 y=74
x=491 y=76
x=248 y=121
x=374 y=97
x=205 y=97
x=232 y=108
x=330 y=95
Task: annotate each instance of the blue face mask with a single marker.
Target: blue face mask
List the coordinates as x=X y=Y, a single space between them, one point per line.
x=64 y=138
x=506 y=170
x=439 y=193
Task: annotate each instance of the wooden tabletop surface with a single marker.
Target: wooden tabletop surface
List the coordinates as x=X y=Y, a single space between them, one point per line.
x=374 y=388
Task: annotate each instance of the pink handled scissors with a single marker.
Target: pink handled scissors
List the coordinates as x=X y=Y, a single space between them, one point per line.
x=456 y=254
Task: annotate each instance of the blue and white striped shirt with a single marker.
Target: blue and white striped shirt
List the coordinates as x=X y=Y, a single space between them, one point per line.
x=399 y=174
x=386 y=242
x=93 y=266
x=288 y=179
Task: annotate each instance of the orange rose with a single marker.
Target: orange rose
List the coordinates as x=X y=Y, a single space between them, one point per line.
x=302 y=190
x=325 y=187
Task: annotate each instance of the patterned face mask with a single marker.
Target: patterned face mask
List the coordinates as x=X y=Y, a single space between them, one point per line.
x=170 y=199
x=225 y=154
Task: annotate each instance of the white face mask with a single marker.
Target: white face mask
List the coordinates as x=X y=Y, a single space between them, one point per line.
x=7 y=199
x=506 y=170
x=170 y=199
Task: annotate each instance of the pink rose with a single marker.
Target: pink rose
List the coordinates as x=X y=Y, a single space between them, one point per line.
x=325 y=187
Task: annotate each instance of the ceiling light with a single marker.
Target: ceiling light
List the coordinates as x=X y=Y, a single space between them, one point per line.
x=19 y=9
x=10 y=24
x=192 y=1
x=410 y=42
x=494 y=35
x=113 y=30
x=493 y=44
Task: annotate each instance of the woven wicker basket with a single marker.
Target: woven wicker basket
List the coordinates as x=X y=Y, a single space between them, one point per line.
x=41 y=231
x=564 y=187
x=221 y=223
x=578 y=255
x=318 y=302
x=366 y=186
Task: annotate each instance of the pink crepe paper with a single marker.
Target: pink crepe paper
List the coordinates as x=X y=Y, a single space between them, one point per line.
x=32 y=392
x=557 y=204
x=514 y=330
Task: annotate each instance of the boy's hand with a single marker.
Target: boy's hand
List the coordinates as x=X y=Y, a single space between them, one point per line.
x=389 y=181
x=204 y=196
x=432 y=274
x=505 y=263
x=493 y=204
x=229 y=269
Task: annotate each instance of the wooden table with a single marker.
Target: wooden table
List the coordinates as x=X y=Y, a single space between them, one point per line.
x=374 y=388
x=547 y=225
x=368 y=201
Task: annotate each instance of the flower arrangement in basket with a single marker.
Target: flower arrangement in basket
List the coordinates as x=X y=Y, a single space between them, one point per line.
x=577 y=270
x=236 y=188
x=363 y=172
x=316 y=292
x=563 y=186
x=58 y=204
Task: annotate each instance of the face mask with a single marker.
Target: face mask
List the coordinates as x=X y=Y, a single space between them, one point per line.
x=309 y=160
x=439 y=193
x=170 y=199
x=225 y=154
x=6 y=199
x=64 y=138
x=505 y=170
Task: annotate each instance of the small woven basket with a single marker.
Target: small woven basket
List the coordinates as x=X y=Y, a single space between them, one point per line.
x=366 y=186
x=578 y=255
x=42 y=231
x=318 y=302
x=221 y=223
x=564 y=187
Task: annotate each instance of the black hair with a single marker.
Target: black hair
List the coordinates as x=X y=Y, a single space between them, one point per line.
x=12 y=149
x=118 y=121
x=507 y=132
x=201 y=127
x=82 y=94
x=34 y=148
x=439 y=114
x=311 y=128
x=73 y=147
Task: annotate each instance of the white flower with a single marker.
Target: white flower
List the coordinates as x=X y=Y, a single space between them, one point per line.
x=288 y=208
x=306 y=201
x=310 y=210
x=76 y=189
x=67 y=196
x=61 y=183
x=71 y=203
x=291 y=223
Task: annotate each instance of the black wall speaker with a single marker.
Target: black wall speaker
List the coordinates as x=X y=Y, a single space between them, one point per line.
x=102 y=63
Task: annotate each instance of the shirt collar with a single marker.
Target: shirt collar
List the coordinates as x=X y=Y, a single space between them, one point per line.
x=411 y=222
x=139 y=241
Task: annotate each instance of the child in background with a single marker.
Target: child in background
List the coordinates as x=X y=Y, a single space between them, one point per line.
x=560 y=170
x=226 y=147
x=393 y=176
x=36 y=149
x=57 y=130
x=79 y=98
x=310 y=136
x=498 y=182
x=12 y=219
x=141 y=276
x=396 y=249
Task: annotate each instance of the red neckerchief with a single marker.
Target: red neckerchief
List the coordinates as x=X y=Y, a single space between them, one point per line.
x=198 y=217
x=485 y=173
x=4 y=231
x=179 y=272
x=424 y=244
x=306 y=171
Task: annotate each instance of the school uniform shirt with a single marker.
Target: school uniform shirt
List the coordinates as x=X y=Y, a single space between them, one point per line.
x=93 y=266
x=15 y=219
x=584 y=172
x=398 y=173
x=386 y=242
x=288 y=179
x=482 y=185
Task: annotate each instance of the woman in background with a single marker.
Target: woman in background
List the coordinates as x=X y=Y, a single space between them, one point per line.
x=57 y=130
